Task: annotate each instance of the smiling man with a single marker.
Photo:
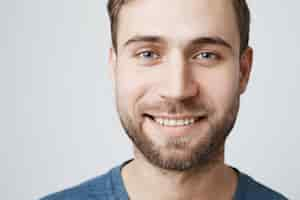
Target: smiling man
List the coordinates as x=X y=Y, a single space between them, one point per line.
x=178 y=69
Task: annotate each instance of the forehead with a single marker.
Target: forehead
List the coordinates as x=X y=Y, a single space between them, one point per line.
x=178 y=21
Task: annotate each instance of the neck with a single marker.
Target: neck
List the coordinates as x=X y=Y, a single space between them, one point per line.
x=144 y=180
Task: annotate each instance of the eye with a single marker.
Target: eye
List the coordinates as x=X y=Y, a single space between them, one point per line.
x=148 y=55
x=207 y=56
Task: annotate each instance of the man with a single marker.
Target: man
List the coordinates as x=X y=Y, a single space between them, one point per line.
x=178 y=68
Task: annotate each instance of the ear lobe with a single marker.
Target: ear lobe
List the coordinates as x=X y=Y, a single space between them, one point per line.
x=245 y=68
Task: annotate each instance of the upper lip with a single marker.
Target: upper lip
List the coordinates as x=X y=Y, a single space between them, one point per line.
x=168 y=116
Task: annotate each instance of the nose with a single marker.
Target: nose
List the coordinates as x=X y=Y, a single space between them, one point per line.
x=178 y=82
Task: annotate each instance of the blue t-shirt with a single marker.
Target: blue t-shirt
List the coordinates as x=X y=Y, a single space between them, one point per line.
x=110 y=186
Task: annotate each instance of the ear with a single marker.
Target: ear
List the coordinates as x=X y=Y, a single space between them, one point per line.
x=245 y=68
x=112 y=61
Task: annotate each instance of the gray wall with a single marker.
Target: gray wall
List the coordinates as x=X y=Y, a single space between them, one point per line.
x=58 y=122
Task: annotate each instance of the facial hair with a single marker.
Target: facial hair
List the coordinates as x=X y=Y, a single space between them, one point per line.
x=178 y=154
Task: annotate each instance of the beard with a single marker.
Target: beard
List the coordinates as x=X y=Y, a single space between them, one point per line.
x=183 y=152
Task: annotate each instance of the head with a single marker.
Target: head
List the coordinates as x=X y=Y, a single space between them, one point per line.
x=241 y=10
x=178 y=73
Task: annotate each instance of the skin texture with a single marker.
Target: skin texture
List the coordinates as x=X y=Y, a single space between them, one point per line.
x=181 y=60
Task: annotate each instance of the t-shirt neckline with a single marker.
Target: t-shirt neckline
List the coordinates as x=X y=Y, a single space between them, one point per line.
x=118 y=184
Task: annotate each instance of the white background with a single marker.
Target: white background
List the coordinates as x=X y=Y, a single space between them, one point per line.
x=58 y=123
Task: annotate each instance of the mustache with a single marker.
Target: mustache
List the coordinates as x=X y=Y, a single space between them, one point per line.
x=190 y=107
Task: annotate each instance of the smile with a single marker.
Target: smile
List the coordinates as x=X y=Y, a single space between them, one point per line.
x=174 y=122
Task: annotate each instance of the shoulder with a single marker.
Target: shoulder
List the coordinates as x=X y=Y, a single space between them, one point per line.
x=97 y=188
x=253 y=189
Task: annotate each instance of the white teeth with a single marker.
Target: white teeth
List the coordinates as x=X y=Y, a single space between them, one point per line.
x=173 y=122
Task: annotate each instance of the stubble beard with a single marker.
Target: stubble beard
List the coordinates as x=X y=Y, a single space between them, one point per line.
x=178 y=154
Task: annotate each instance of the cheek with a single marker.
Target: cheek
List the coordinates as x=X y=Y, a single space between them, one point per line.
x=131 y=87
x=221 y=87
x=135 y=81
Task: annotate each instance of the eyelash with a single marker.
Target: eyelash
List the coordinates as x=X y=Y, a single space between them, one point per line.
x=207 y=53
x=151 y=57
x=201 y=53
x=140 y=54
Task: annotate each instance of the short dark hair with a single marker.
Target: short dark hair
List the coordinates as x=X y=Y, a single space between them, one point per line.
x=240 y=6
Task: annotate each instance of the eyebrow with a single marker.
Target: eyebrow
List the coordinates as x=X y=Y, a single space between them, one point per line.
x=137 y=38
x=211 y=40
x=215 y=40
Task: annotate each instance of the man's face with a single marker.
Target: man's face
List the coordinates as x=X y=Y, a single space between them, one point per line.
x=178 y=76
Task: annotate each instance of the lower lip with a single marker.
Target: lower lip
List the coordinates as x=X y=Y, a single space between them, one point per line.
x=177 y=131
